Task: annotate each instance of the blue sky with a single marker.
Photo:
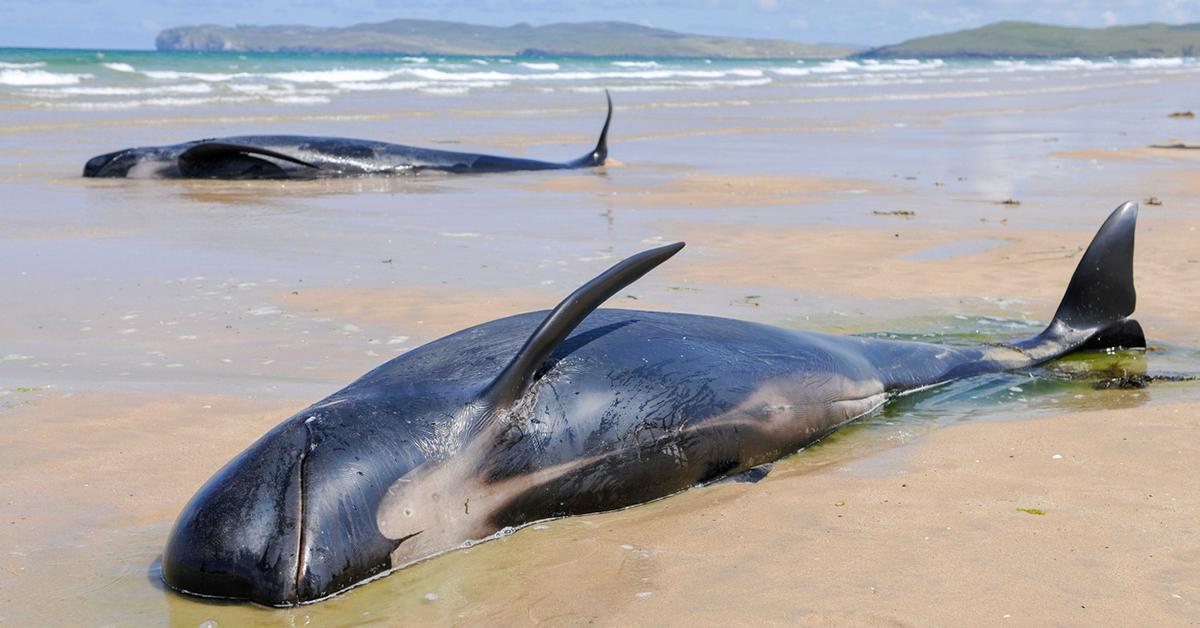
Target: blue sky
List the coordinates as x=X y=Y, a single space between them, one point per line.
x=134 y=23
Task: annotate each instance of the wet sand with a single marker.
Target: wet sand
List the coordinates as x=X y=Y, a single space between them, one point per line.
x=154 y=329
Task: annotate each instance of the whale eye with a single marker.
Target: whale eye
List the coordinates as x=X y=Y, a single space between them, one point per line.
x=408 y=512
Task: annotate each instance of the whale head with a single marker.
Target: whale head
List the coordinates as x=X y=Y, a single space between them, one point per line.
x=130 y=163
x=295 y=517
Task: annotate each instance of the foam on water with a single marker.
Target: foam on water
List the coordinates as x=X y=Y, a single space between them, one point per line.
x=333 y=76
x=118 y=80
x=27 y=78
x=195 y=88
x=172 y=75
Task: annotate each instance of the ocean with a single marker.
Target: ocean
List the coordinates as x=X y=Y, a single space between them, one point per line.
x=115 y=80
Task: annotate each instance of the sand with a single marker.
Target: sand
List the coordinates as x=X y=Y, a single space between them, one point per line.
x=154 y=329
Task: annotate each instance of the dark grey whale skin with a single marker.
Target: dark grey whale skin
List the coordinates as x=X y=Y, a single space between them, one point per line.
x=311 y=157
x=600 y=409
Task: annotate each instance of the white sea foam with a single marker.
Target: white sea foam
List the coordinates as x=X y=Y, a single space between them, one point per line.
x=836 y=66
x=25 y=78
x=449 y=90
x=261 y=88
x=1170 y=62
x=301 y=100
x=659 y=86
x=144 y=102
x=119 y=67
x=382 y=86
x=332 y=76
x=192 y=88
x=215 y=77
x=184 y=102
x=223 y=83
x=901 y=65
x=433 y=74
x=386 y=86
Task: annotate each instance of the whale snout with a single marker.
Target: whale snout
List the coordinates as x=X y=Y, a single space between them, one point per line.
x=95 y=166
x=114 y=164
x=240 y=536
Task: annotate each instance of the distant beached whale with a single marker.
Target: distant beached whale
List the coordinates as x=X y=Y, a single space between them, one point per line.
x=576 y=410
x=305 y=157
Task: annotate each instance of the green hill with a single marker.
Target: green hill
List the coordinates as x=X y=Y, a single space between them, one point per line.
x=1028 y=39
x=452 y=38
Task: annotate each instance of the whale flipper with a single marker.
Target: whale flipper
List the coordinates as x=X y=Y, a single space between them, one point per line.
x=753 y=475
x=1099 y=297
x=515 y=379
x=223 y=160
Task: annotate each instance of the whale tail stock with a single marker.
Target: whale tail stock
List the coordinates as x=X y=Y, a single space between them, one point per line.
x=600 y=153
x=1099 y=299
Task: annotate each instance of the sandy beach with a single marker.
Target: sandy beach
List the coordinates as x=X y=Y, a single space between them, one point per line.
x=153 y=329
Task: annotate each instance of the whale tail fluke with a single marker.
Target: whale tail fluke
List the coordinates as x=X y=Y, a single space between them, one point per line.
x=600 y=153
x=1099 y=298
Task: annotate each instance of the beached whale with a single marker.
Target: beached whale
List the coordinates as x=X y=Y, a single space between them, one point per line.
x=576 y=410
x=306 y=157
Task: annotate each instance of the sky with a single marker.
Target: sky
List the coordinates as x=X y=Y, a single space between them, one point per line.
x=133 y=24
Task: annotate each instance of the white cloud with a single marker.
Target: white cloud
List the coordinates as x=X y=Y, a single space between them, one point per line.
x=1109 y=17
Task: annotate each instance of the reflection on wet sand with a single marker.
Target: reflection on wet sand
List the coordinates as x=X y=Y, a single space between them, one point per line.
x=259 y=192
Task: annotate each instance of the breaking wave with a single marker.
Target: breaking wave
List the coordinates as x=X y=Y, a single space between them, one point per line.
x=119 y=80
x=30 y=78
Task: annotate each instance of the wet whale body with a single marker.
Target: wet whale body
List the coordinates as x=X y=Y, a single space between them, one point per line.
x=306 y=157
x=576 y=410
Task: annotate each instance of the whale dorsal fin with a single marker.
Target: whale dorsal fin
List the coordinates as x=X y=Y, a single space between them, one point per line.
x=206 y=155
x=515 y=379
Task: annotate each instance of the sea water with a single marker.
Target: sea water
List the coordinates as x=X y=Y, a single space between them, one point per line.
x=122 y=79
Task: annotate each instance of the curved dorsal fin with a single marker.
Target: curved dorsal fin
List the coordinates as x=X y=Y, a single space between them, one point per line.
x=515 y=379
x=600 y=152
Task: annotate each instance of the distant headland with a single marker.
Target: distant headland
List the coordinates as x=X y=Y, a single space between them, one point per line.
x=622 y=39
x=1029 y=39
x=421 y=37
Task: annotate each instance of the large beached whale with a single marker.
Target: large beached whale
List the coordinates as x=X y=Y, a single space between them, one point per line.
x=308 y=157
x=575 y=410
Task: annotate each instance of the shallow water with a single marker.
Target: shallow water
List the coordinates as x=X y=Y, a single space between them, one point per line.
x=956 y=249
x=91 y=80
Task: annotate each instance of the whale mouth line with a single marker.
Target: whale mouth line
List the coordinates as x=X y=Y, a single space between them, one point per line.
x=301 y=536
